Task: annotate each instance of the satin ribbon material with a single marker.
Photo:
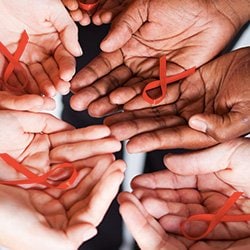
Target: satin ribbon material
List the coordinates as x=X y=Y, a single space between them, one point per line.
x=14 y=61
x=162 y=83
x=88 y=7
x=41 y=179
x=215 y=219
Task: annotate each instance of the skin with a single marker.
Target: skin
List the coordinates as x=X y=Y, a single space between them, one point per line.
x=209 y=107
x=150 y=235
x=53 y=43
x=44 y=141
x=60 y=219
x=143 y=32
x=199 y=182
x=106 y=11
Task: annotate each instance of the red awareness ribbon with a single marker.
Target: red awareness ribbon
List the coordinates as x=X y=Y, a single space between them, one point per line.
x=41 y=179
x=215 y=219
x=164 y=80
x=88 y=7
x=14 y=61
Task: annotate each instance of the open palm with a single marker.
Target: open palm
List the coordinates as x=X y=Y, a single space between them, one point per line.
x=138 y=37
x=64 y=218
x=200 y=183
x=40 y=141
x=151 y=235
x=53 y=42
x=206 y=108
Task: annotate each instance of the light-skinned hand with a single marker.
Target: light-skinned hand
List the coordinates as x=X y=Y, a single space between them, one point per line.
x=184 y=31
x=199 y=183
x=150 y=234
x=41 y=141
x=208 y=107
x=53 y=43
x=54 y=219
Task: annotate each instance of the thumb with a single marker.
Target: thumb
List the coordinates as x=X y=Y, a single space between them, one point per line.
x=66 y=28
x=125 y=25
x=221 y=127
x=200 y=162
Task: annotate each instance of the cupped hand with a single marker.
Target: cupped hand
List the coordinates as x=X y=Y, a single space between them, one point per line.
x=208 y=107
x=184 y=31
x=60 y=220
x=200 y=183
x=48 y=58
x=151 y=235
x=103 y=13
x=41 y=141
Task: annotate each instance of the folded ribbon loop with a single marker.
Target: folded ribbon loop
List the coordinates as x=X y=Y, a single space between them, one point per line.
x=164 y=80
x=14 y=61
x=41 y=179
x=216 y=218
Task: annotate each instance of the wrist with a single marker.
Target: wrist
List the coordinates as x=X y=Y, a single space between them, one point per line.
x=238 y=11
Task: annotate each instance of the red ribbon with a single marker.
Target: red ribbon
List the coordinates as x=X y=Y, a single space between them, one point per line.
x=216 y=218
x=88 y=7
x=164 y=80
x=14 y=61
x=35 y=179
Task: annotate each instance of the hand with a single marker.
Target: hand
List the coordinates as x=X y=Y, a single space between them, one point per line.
x=200 y=182
x=143 y=32
x=53 y=42
x=106 y=11
x=150 y=235
x=40 y=141
x=59 y=220
x=209 y=107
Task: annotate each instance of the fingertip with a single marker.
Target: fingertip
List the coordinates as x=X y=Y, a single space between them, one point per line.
x=76 y=103
x=198 y=124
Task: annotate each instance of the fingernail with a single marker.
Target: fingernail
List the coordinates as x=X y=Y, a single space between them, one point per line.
x=198 y=125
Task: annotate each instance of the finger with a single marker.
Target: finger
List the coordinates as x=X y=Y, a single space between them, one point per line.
x=37 y=122
x=138 y=114
x=124 y=26
x=25 y=102
x=92 y=210
x=138 y=102
x=66 y=27
x=164 y=179
x=52 y=71
x=106 y=12
x=159 y=208
x=46 y=86
x=128 y=91
x=169 y=138
x=100 y=88
x=168 y=195
x=96 y=167
x=146 y=231
x=83 y=134
x=80 y=150
x=102 y=107
x=97 y=68
x=70 y=4
x=66 y=63
x=204 y=161
x=76 y=15
x=223 y=127
x=31 y=85
x=127 y=129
